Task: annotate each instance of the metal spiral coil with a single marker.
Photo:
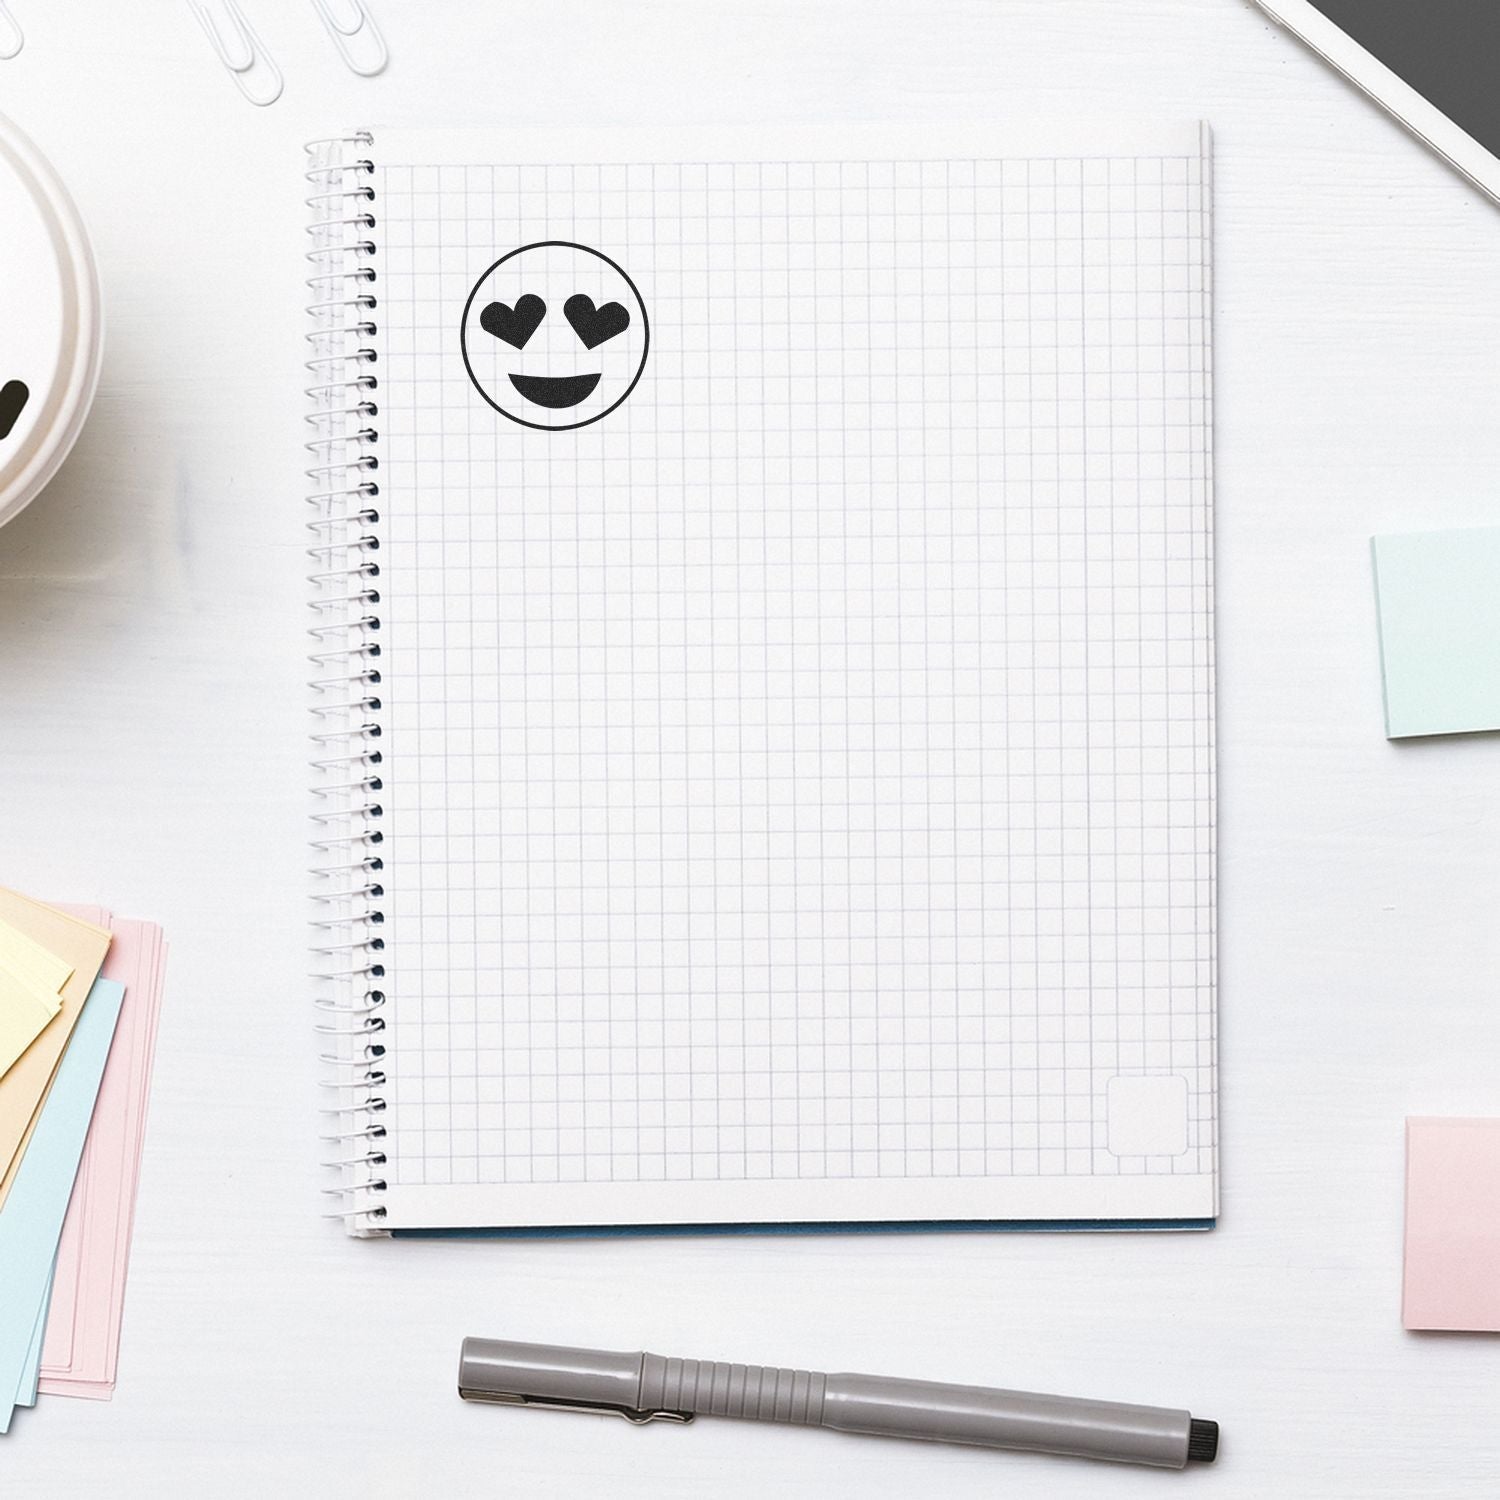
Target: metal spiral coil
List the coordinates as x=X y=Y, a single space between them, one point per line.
x=343 y=535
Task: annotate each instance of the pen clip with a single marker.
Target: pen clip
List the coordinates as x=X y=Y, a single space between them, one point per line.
x=517 y=1398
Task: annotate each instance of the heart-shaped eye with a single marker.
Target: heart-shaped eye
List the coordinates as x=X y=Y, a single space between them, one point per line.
x=13 y=398
x=514 y=324
x=594 y=325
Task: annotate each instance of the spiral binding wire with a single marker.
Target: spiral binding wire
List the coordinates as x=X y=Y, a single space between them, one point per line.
x=344 y=540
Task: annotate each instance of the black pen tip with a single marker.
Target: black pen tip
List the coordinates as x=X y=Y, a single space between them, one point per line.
x=1203 y=1440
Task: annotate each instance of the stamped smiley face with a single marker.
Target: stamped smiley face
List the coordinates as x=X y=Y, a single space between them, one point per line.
x=555 y=335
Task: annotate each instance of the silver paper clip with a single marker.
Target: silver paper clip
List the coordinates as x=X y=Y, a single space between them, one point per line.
x=246 y=58
x=358 y=38
x=636 y=1417
x=12 y=38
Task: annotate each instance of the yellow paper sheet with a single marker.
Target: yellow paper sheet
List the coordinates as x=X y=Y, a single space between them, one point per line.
x=23 y=955
x=82 y=946
x=25 y=1009
x=30 y=981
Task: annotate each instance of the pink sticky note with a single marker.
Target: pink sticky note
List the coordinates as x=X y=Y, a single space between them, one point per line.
x=1452 y=1225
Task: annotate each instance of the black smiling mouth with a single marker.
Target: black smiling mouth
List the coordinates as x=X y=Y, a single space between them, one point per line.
x=555 y=391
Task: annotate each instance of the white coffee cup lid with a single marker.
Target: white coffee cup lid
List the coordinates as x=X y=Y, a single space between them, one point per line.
x=51 y=331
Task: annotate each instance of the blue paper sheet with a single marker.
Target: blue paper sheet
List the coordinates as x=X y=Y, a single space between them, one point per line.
x=31 y=1221
x=31 y=1374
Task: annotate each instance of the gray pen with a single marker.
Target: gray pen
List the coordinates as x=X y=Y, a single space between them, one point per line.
x=646 y=1387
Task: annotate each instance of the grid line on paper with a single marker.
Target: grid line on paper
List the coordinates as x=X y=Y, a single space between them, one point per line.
x=807 y=771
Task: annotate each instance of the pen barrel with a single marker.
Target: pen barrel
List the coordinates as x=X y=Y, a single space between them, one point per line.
x=1006 y=1419
x=711 y=1388
x=502 y=1369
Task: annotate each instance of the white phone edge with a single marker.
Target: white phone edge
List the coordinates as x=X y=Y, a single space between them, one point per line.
x=1363 y=69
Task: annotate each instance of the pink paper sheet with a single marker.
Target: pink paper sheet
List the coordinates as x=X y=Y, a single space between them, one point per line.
x=81 y=1350
x=1452 y=1278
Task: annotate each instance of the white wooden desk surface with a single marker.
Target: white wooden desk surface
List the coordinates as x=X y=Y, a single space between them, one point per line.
x=151 y=759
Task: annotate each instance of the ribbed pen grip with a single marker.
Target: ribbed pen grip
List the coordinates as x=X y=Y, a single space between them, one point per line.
x=760 y=1393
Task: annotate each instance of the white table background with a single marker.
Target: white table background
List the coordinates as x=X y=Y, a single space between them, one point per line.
x=151 y=759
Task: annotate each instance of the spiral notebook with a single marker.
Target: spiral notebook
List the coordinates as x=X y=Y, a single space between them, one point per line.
x=764 y=706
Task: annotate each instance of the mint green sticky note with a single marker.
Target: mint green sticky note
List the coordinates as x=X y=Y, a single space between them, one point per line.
x=1437 y=594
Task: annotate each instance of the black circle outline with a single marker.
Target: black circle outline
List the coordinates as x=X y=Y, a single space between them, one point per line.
x=463 y=334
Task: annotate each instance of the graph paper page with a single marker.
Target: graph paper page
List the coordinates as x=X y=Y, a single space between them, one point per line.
x=798 y=775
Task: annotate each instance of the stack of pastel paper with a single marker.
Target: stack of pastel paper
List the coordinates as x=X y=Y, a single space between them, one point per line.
x=80 y=993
